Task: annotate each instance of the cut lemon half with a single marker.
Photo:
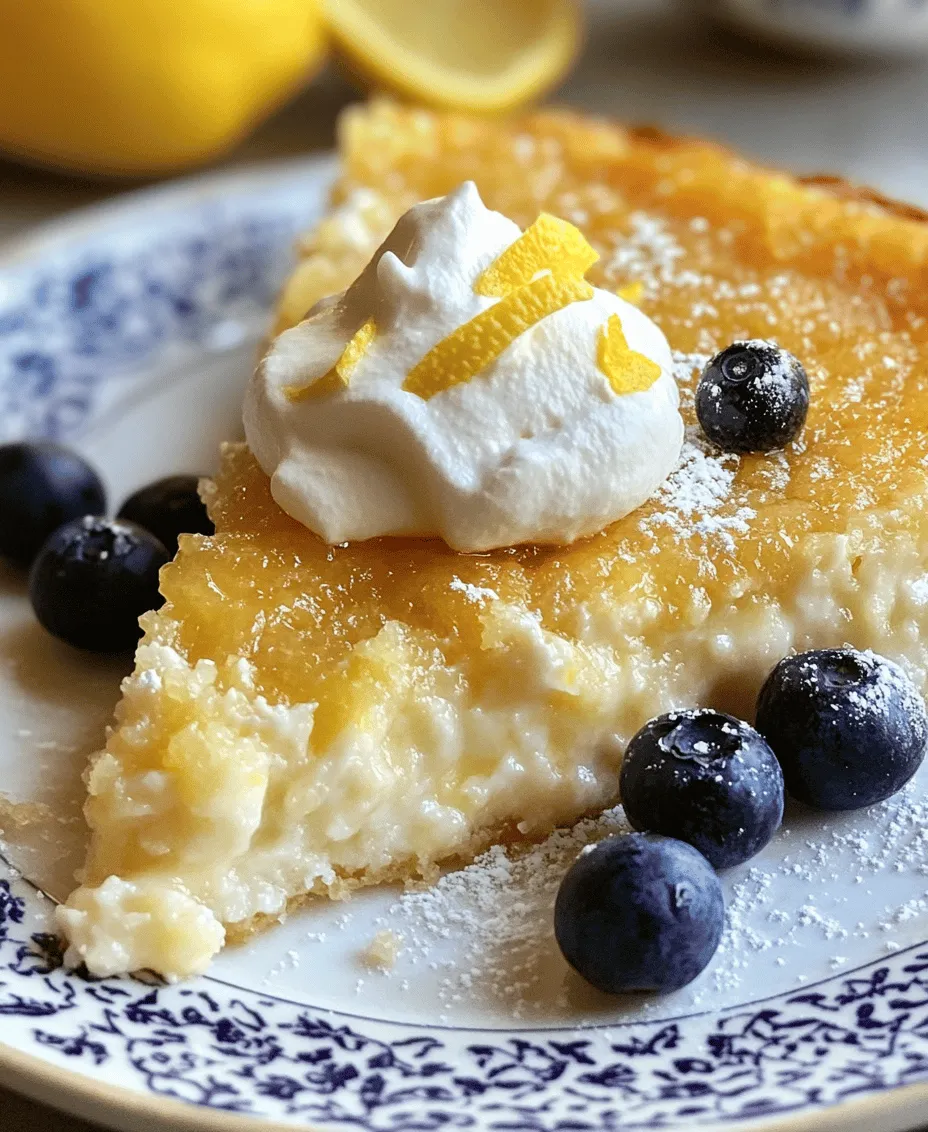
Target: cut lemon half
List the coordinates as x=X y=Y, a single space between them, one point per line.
x=478 y=55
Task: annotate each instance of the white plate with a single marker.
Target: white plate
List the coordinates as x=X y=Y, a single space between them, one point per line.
x=128 y=330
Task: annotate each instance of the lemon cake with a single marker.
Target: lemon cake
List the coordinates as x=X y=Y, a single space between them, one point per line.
x=308 y=716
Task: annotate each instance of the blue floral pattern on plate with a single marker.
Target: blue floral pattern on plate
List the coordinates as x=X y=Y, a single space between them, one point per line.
x=95 y=318
x=212 y=1044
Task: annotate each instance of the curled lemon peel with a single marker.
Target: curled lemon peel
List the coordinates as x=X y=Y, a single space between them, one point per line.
x=626 y=370
x=538 y=274
x=479 y=342
x=550 y=244
x=339 y=376
x=631 y=292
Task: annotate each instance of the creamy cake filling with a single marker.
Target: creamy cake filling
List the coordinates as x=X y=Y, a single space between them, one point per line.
x=240 y=816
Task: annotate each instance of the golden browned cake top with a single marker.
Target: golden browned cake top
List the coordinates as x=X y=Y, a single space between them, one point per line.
x=723 y=250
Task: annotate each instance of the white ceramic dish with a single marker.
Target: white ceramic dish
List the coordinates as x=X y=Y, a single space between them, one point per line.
x=128 y=330
x=866 y=28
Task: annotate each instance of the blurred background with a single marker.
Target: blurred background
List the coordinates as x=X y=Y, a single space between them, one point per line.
x=98 y=97
x=812 y=85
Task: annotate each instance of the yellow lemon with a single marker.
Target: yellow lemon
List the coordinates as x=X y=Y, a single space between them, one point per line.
x=145 y=86
x=478 y=55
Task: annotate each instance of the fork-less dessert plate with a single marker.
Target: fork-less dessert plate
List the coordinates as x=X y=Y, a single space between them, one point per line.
x=128 y=331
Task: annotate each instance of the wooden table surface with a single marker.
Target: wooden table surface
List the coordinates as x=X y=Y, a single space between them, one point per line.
x=647 y=61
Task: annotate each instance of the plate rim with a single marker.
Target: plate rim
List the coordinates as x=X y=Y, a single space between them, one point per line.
x=116 y=1106
x=121 y=1108
x=57 y=234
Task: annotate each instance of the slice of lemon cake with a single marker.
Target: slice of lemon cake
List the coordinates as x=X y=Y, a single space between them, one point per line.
x=307 y=716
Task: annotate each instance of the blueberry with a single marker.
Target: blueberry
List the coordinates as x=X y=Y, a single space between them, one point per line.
x=752 y=397
x=93 y=579
x=42 y=485
x=848 y=727
x=168 y=508
x=706 y=778
x=639 y=913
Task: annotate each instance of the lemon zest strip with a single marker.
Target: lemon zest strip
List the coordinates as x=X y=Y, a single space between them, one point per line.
x=626 y=369
x=339 y=376
x=479 y=342
x=550 y=244
x=631 y=292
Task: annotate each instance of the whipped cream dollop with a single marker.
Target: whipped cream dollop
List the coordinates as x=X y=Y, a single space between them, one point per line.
x=535 y=447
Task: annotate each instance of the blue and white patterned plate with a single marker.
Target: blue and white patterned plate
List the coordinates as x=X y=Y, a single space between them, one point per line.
x=128 y=330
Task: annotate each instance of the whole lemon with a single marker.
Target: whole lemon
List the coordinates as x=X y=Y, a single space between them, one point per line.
x=146 y=86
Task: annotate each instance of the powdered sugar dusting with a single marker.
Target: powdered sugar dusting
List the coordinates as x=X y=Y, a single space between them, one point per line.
x=776 y=377
x=648 y=252
x=486 y=934
x=878 y=683
x=695 y=499
x=500 y=908
x=843 y=864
